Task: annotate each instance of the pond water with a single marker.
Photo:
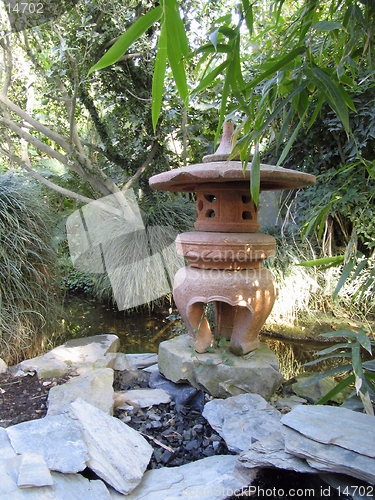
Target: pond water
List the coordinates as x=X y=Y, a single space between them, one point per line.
x=143 y=332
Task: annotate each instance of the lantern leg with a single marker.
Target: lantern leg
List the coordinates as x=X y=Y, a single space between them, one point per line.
x=224 y=319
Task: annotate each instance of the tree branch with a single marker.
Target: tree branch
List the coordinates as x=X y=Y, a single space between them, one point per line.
x=141 y=169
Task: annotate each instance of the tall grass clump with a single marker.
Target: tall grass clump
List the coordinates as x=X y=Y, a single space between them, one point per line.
x=28 y=301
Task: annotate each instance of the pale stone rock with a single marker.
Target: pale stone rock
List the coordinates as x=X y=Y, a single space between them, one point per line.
x=334 y=425
x=151 y=369
x=212 y=477
x=134 y=361
x=94 y=387
x=255 y=372
x=290 y=402
x=58 y=439
x=73 y=354
x=118 y=454
x=142 y=397
x=270 y=452
x=330 y=457
x=242 y=420
x=65 y=487
x=106 y=361
x=7 y=454
x=29 y=470
x=3 y=366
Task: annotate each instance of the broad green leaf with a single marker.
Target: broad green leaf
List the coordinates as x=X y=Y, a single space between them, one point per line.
x=222 y=342
x=336 y=390
x=340 y=333
x=356 y=358
x=175 y=55
x=364 y=341
x=126 y=39
x=213 y=37
x=211 y=77
x=325 y=82
x=209 y=361
x=199 y=369
x=328 y=26
x=159 y=74
x=330 y=356
x=249 y=19
x=174 y=12
x=328 y=373
x=369 y=365
x=229 y=362
x=208 y=47
x=291 y=139
x=344 y=276
x=210 y=349
x=255 y=175
x=224 y=355
x=228 y=32
x=224 y=97
x=324 y=261
x=332 y=349
x=359 y=269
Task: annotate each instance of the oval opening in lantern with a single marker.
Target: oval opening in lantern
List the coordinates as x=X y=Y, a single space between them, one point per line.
x=247 y=215
x=210 y=214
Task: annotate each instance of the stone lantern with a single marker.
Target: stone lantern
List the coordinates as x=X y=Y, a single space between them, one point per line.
x=225 y=253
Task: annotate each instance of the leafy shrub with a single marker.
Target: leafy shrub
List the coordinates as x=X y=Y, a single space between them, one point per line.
x=28 y=287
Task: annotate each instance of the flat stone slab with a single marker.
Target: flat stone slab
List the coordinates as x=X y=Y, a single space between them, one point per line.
x=58 y=439
x=212 y=477
x=76 y=355
x=94 y=387
x=142 y=398
x=29 y=470
x=3 y=366
x=242 y=420
x=134 y=361
x=255 y=372
x=334 y=425
x=330 y=457
x=270 y=452
x=117 y=454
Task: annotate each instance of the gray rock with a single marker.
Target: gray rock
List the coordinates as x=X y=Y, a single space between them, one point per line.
x=94 y=387
x=270 y=452
x=334 y=425
x=316 y=390
x=3 y=366
x=74 y=356
x=118 y=454
x=330 y=457
x=212 y=477
x=58 y=439
x=142 y=398
x=7 y=453
x=65 y=487
x=134 y=361
x=151 y=369
x=242 y=420
x=290 y=402
x=29 y=470
x=256 y=372
x=346 y=485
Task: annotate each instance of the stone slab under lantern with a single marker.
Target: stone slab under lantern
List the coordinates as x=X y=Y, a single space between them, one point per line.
x=257 y=372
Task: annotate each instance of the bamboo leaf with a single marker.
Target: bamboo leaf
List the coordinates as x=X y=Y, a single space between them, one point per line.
x=330 y=356
x=211 y=77
x=159 y=74
x=328 y=373
x=340 y=333
x=130 y=36
x=213 y=37
x=255 y=175
x=175 y=54
x=325 y=82
x=364 y=341
x=344 y=276
x=291 y=139
x=336 y=390
x=332 y=349
x=173 y=12
x=328 y=26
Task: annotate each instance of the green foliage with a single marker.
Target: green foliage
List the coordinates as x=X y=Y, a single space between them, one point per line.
x=29 y=304
x=356 y=372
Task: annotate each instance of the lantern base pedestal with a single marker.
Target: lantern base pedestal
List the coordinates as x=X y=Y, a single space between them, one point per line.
x=256 y=372
x=243 y=300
